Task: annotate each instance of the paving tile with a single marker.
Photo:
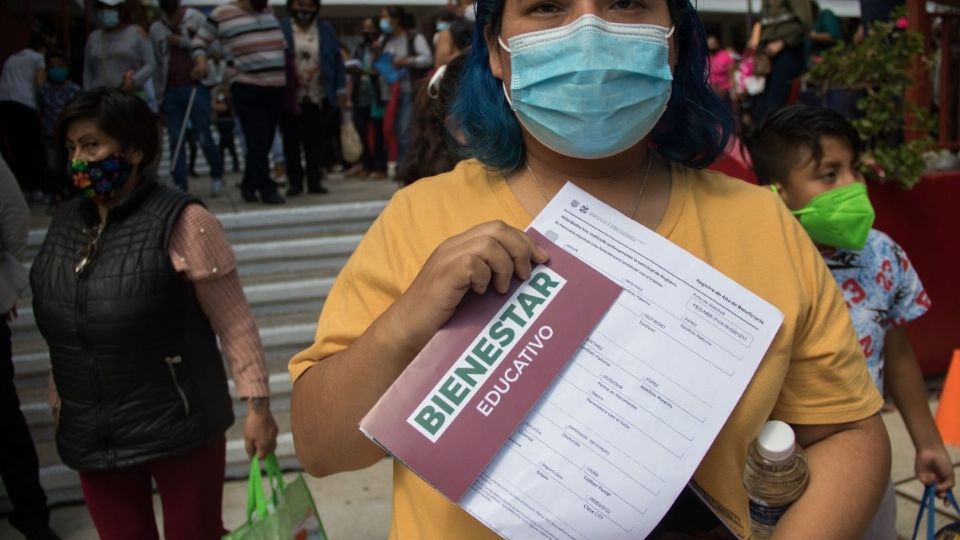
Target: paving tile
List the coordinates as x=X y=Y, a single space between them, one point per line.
x=907 y=515
x=913 y=490
x=902 y=447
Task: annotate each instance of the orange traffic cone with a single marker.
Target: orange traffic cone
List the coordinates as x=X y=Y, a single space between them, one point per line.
x=948 y=412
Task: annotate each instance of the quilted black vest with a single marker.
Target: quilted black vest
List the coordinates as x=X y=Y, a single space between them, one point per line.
x=134 y=358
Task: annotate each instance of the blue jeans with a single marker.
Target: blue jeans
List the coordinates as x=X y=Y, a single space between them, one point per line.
x=175 y=101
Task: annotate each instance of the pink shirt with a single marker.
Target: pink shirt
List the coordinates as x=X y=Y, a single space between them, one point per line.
x=721 y=65
x=199 y=248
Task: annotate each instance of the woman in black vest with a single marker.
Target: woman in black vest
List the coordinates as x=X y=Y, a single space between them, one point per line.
x=131 y=288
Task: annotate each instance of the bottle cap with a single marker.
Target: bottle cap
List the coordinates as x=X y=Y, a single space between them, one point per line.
x=776 y=441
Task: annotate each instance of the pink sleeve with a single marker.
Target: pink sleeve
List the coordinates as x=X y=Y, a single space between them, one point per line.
x=200 y=250
x=199 y=247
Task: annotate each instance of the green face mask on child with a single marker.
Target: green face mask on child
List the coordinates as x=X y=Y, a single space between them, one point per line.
x=841 y=217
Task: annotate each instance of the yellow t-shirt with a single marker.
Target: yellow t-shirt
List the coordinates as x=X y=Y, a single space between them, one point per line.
x=814 y=372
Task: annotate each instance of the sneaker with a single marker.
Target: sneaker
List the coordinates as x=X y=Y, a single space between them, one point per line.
x=216 y=187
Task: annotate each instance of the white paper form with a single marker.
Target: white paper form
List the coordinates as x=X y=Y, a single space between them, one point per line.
x=617 y=436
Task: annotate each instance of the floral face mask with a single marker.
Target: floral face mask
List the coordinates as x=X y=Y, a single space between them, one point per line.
x=102 y=180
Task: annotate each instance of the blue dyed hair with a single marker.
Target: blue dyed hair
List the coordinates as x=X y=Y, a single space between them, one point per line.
x=693 y=130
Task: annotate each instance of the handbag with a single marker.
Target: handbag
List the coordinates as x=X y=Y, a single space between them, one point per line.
x=350 y=144
x=928 y=505
x=289 y=514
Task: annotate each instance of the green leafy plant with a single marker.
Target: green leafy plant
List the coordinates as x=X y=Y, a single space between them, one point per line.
x=881 y=66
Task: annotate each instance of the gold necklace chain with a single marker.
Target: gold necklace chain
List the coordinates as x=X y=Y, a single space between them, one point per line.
x=636 y=203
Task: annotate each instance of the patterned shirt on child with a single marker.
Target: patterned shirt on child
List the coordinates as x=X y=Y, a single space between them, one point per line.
x=882 y=291
x=52 y=100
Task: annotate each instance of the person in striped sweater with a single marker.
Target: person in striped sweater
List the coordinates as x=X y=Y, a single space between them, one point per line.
x=251 y=36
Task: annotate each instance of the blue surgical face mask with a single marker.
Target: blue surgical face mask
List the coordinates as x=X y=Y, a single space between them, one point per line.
x=442 y=25
x=385 y=26
x=109 y=18
x=57 y=74
x=590 y=89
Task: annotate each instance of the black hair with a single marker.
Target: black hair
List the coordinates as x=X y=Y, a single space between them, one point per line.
x=315 y=2
x=445 y=15
x=783 y=140
x=121 y=116
x=36 y=40
x=54 y=54
x=432 y=150
x=407 y=20
x=462 y=33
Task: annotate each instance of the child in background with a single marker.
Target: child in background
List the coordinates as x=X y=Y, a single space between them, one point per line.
x=810 y=156
x=226 y=124
x=722 y=65
x=55 y=93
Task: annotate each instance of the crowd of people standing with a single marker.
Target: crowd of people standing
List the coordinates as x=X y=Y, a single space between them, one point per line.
x=280 y=87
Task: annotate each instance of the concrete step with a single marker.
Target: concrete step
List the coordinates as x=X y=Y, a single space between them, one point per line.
x=302 y=222
x=36 y=410
x=278 y=296
x=275 y=260
x=322 y=254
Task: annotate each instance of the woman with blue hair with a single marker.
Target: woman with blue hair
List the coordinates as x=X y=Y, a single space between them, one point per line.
x=611 y=95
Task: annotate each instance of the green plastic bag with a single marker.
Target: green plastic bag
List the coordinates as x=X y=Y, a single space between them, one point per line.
x=290 y=514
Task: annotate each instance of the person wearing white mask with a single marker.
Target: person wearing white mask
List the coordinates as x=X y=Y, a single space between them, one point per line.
x=118 y=54
x=172 y=36
x=613 y=97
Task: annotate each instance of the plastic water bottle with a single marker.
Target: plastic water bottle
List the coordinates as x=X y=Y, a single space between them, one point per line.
x=775 y=476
